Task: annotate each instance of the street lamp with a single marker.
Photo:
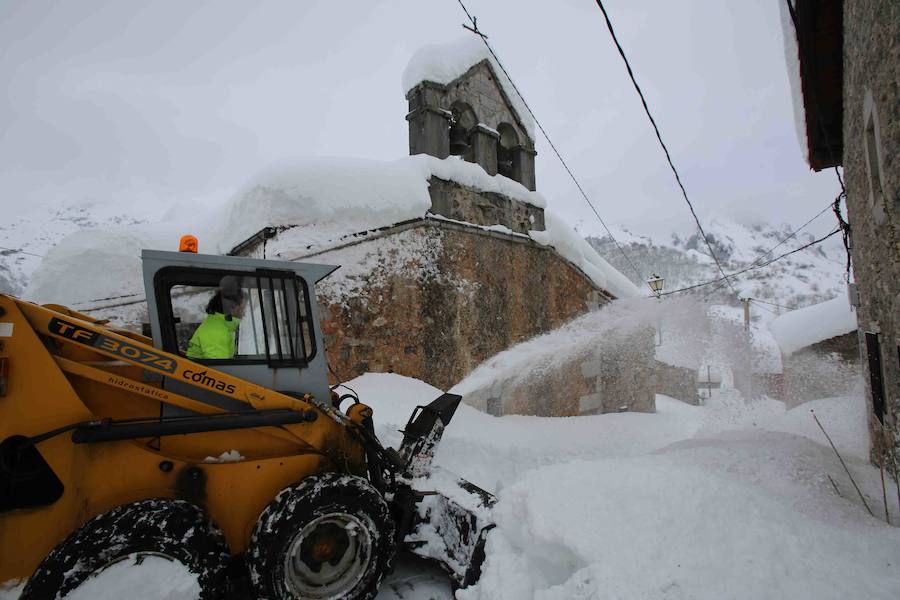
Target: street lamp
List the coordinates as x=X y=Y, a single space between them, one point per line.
x=656 y=284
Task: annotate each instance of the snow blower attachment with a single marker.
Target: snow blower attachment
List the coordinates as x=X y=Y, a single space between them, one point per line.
x=451 y=516
x=219 y=438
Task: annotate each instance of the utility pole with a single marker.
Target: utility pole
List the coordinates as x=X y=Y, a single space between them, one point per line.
x=746 y=302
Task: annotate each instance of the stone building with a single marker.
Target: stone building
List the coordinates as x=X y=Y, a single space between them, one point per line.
x=594 y=364
x=845 y=57
x=472 y=116
x=459 y=260
x=819 y=351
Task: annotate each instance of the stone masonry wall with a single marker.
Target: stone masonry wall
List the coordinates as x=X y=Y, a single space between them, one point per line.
x=462 y=203
x=434 y=301
x=430 y=109
x=872 y=102
x=677 y=382
x=478 y=89
x=615 y=374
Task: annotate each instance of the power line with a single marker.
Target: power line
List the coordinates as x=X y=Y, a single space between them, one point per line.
x=754 y=267
x=771 y=303
x=659 y=137
x=769 y=310
x=829 y=206
x=20 y=251
x=474 y=29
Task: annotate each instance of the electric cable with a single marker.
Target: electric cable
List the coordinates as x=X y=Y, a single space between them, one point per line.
x=753 y=268
x=20 y=251
x=771 y=303
x=662 y=143
x=474 y=29
x=829 y=206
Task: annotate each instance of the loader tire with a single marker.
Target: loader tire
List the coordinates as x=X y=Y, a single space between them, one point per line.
x=330 y=536
x=172 y=529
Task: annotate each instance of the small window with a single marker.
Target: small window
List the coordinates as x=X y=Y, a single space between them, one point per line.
x=507 y=156
x=222 y=316
x=873 y=155
x=462 y=121
x=876 y=380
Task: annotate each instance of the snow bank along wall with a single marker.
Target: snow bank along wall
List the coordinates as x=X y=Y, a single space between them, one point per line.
x=848 y=52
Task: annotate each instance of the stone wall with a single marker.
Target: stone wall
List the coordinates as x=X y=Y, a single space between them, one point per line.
x=431 y=107
x=615 y=375
x=677 y=382
x=434 y=300
x=462 y=203
x=872 y=176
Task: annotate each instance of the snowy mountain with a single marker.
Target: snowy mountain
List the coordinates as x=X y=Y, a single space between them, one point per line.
x=805 y=277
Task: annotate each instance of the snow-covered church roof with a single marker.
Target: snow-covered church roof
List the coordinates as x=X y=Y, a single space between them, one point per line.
x=444 y=63
x=323 y=200
x=813 y=324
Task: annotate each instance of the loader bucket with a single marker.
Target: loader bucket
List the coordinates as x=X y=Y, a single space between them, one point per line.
x=446 y=519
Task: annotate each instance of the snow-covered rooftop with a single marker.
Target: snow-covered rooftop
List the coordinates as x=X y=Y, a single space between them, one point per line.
x=325 y=200
x=792 y=62
x=443 y=63
x=813 y=324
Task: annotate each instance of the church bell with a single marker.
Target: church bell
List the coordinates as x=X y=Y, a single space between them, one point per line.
x=459 y=143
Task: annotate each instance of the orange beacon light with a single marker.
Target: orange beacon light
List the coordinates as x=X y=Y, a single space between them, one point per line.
x=188 y=243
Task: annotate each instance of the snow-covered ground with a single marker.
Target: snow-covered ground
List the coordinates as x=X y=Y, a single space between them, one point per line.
x=732 y=499
x=728 y=500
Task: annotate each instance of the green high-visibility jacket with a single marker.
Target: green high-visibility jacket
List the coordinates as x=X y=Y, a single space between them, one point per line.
x=215 y=338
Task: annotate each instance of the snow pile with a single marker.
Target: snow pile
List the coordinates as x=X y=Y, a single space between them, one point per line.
x=150 y=578
x=91 y=264
x=812 y=324
x=690 y=502
x=105 y=262
x=327 y=197
x=443 y=63
x=327 y=201
x=324 y=202
x=472 y=175
x=734 y=499
x=494 y=452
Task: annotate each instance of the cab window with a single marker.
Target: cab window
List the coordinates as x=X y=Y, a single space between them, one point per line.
x=224 y=316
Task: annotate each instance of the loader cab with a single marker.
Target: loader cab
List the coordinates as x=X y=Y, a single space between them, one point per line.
x=255 y=319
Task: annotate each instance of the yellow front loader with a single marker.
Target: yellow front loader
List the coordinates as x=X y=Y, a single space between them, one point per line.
x=115 y=446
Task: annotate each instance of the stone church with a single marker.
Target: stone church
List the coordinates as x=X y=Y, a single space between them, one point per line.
x=433 y=296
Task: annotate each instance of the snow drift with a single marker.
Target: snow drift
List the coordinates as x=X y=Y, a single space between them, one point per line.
x=324 y=200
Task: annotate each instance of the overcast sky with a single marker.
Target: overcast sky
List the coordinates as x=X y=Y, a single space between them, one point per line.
x=142 y=103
